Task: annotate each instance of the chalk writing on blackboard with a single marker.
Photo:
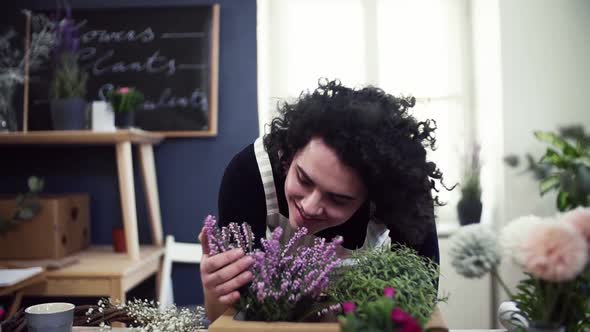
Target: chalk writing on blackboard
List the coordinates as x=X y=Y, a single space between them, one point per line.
x=165 y=52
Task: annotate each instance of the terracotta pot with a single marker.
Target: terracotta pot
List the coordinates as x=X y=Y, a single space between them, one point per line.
x=119 y=244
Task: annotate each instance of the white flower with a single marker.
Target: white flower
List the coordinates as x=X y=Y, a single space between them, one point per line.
x=475 y=251
x=513 y=235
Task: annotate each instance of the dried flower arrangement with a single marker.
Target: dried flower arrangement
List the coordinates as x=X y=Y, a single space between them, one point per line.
x=553 y=253
x=144 y=315
x=14 y=60
x=288 y=279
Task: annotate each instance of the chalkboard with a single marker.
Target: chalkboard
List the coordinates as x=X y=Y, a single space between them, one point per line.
x=169 y=53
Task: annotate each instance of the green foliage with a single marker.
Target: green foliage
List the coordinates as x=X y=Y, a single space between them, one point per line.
x=27 y=206
x=413 y=277
x=565 y=166
x=471 y=187
x=125 y=99
x=568 y=302
x=69 y=80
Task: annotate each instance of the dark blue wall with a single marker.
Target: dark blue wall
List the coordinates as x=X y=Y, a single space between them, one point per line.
x=189 y=169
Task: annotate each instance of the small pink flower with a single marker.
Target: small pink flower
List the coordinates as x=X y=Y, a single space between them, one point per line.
x=404 y=321
x=411 y=326
x=389 y=292
x=348 y=307
x=580 y=219
x=399 y=316
x=2 y=313
x=123 y=90
x=554 y=251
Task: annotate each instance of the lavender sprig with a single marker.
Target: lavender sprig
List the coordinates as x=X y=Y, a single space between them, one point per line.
x=286 y=278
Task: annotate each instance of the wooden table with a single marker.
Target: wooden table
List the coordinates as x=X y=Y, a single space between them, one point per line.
x=100 y=272
x=122 y=140
x=96 y=329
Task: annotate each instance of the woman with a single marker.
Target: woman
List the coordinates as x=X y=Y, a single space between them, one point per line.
x=338 y=161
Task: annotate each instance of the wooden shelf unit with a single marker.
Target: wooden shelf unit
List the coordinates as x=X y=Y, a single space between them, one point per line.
x=79 y=137
x=122 y=140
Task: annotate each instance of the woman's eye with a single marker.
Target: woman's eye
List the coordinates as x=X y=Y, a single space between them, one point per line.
x=303 y=180
x=338 y=201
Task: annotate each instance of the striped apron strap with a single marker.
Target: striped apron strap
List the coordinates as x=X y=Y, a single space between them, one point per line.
x=265 y=168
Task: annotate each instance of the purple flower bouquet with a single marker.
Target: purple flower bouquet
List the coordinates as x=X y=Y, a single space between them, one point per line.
x=289 y=279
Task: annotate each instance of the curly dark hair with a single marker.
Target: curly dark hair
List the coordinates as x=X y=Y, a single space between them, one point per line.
x=372 y=132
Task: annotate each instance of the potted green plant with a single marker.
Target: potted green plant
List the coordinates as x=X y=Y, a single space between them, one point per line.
x=565 y=166
x=125 y=101
x=68 y=85
x=470 y=206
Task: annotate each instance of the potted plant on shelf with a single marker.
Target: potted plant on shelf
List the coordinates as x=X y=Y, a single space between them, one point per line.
x=68 y=85
x=125 y=101
x=470 y=206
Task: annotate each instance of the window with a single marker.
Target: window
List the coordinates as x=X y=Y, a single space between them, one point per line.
x=407 y=47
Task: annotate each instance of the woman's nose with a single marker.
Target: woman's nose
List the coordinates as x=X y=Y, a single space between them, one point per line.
x=311 y=204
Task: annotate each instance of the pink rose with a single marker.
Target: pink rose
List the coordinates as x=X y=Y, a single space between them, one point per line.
x=389 y=292
x=554 y=251
x=123 y=90
x=348 y=307
x=580 y=219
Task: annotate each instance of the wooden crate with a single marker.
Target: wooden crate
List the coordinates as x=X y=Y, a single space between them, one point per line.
x=61 y=228
x=227 y=323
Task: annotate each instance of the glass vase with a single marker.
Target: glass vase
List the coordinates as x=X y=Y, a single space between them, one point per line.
x=7 y=110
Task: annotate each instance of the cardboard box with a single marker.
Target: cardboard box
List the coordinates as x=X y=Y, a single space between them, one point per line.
x=61 y=228
x=227 y=323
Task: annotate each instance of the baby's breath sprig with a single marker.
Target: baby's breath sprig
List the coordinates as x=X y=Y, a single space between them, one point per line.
x=145 y=316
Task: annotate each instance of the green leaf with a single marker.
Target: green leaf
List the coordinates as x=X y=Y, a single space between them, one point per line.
x=20 y=199
x=558 y=142
x=549 y=183
x=551 y=157
x=562 y=200
x=25 y=213
x=583 y=161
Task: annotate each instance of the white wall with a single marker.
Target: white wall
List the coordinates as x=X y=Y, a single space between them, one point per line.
x=469 y=300
x=546 y=83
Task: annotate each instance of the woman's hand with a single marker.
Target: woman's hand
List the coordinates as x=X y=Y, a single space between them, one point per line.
x=223 y=274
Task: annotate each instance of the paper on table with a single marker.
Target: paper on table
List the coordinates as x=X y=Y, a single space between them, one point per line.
x=9 y=277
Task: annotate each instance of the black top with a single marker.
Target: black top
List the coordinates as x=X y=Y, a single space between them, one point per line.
x=242 y=199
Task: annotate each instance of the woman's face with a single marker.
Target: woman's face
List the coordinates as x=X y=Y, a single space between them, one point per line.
x=321 y=191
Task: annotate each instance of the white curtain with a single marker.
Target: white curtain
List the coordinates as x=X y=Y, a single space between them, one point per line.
x=407 y=47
